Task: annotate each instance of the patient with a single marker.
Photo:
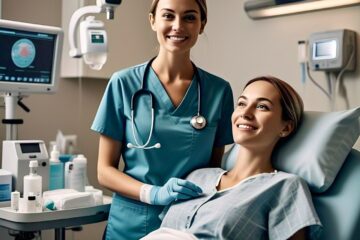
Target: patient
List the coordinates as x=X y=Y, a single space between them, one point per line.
x=252 y=200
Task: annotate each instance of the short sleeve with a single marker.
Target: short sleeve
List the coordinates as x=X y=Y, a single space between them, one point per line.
x=292 y=211
x=109 y=119
x=224 y=132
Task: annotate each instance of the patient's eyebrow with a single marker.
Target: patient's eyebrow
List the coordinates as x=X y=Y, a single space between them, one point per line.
x=260 y=99
x=264 y=99
x=245 y=98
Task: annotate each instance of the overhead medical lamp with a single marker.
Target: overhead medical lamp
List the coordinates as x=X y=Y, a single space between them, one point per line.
x=258 y=9
x=93 y=37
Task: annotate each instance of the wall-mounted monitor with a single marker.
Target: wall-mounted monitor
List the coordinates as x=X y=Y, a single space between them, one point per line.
x=29 y=57
x=325 y=49
x=332 y=50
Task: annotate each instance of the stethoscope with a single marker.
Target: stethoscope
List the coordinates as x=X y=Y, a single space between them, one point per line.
x=198 y=121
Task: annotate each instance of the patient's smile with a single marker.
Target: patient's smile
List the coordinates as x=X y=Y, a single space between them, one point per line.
x=246 y=127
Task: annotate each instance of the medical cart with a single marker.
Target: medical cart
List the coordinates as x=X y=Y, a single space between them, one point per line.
x=57 y=220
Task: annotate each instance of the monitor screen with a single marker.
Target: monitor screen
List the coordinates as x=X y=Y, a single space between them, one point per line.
x=30 y=147
x=30 y=57
x=325 y=49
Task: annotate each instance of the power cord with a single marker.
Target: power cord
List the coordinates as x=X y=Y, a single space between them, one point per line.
x=316 y=84
x=339 y=85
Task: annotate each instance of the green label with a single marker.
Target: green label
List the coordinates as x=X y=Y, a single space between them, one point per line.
x=97 y=38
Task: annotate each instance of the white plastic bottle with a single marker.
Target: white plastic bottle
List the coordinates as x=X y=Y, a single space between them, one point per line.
x=15 y=199
x=33 y=183
x=76 y=173
x=56 y=170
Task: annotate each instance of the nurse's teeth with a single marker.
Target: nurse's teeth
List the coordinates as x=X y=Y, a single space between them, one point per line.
x=177 y=38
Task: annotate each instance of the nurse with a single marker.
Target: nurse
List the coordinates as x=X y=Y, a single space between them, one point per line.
x=161 y=146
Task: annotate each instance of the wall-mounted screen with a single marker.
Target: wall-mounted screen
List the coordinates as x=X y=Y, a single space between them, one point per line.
x=325 y=49
x=332 y=50
x=30 y=57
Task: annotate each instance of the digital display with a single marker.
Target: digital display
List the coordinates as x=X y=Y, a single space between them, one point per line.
x=117 y=2
x=30 y=147
x=26 y=57
x=325 y=49
x=97 y=38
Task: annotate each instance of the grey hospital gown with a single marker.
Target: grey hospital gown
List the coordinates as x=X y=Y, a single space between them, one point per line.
x=264 y=206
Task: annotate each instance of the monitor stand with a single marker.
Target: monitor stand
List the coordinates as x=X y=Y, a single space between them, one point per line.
x=11 y=99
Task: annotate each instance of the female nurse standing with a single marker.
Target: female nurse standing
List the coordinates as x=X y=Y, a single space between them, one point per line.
x=165 y=118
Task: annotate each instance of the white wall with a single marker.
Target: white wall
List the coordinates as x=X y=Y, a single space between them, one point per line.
x=239 y=48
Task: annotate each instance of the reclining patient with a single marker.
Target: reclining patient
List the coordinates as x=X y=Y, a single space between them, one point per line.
x=252 y=200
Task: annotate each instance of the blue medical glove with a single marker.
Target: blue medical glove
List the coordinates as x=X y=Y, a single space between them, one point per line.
x=173 y=190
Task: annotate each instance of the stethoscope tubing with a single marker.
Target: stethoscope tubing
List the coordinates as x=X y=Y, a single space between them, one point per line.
x=142 y=91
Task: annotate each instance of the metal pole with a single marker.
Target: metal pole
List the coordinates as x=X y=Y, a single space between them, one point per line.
x=59 y=233
x=10 y=106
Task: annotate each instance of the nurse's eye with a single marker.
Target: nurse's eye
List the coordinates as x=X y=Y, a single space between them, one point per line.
x=190 y=18
x=168 y=16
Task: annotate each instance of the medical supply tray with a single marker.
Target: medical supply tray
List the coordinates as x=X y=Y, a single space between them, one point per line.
x=54 y=219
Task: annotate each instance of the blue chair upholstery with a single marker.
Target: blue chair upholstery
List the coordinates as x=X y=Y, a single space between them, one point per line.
x=339 y=206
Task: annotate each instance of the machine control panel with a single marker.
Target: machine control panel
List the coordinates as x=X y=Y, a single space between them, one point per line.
x=16 y=157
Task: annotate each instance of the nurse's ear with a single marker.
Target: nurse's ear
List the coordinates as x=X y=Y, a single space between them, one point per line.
x=152 y=21
x=202 y=28
x=201 y=31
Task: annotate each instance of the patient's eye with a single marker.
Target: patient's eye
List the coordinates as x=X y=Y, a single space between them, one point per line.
x=241 y=104
x=263 y=107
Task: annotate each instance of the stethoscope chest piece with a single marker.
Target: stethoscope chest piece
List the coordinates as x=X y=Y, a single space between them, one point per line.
x=198 y=122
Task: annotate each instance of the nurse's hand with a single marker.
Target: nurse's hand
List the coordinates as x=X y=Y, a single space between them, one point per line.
x=173 y=190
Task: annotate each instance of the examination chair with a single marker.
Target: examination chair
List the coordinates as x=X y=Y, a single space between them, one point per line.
x=322 y=153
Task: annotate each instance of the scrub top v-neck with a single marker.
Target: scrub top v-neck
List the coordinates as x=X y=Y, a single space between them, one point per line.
x=164 y=99
x=183 y=148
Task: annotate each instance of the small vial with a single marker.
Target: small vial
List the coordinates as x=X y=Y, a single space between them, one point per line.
x=15 y=198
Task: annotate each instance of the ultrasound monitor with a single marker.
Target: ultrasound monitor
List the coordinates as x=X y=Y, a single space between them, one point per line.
x=29 y=57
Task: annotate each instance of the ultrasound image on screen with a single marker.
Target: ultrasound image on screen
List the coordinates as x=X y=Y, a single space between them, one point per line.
x=26 y=57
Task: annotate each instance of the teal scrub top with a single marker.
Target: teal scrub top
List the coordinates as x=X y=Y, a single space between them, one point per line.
x=183 y=148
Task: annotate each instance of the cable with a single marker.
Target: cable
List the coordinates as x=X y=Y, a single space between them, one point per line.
x=332 y=77
x=316 y=84
x=329 y=82
x=339 y=82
